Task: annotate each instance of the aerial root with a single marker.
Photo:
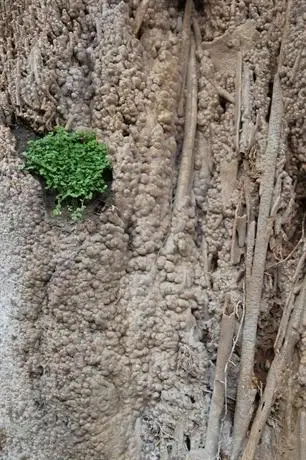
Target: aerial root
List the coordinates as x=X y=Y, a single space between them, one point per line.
x=140 y=14
x=246 y=391
x=186 y=166
x=219 y=392
x=281 y=360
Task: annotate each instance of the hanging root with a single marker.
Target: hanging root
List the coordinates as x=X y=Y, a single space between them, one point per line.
x=238 y=99
x=248 y=128
x=289 y=303
x=197 y=33
x=246 y=391
x=140 y=14
x=279 y=363
x=302 y=437
x=223 y=93
x=185 y=52
x=186 y=167
x=218 y=396
x=285 y=35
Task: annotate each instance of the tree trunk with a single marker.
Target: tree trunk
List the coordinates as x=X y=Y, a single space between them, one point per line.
x=169 y=322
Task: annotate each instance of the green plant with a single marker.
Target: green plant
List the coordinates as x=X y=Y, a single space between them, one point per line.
x=72 y=164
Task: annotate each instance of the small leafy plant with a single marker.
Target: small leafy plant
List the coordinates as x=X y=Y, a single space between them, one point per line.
x=72 y=164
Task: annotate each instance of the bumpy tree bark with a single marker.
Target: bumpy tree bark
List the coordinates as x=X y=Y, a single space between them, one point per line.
x=170 y=323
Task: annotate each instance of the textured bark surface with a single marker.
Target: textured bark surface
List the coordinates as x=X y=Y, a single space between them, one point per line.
x=110 y=326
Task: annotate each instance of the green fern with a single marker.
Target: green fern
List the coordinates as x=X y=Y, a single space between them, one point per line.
x=72 y=165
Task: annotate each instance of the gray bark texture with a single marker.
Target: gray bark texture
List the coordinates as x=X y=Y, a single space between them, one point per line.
x=169 y=323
